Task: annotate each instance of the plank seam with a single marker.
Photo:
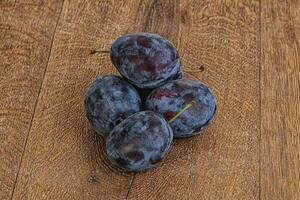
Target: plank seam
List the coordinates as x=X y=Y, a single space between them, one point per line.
x=146 y=26
x=36 y=102
x=130 y=185
x=260 y=95
x=179 y=26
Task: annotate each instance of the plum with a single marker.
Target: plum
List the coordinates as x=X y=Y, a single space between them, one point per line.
x=174 y=96
x=139 y=142
x=146 y=60
x=110 y=100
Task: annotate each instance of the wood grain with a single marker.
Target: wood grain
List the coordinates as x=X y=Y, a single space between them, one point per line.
x=64 y=158
x=26 y=32
x=249 y=50
x=280 y=100
x=158 y=16
x=222 y=36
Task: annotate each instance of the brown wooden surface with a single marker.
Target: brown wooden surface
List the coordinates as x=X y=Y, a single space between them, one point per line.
x=26 y=33
x=223 y=162
x=250 y=53
x=280 y=100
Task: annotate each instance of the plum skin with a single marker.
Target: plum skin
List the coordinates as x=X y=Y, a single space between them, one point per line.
x=109 y=100
x=172 y=97
x=146 y=60
x=139 y=142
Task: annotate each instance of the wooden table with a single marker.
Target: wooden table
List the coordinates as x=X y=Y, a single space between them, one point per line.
x=250 y=53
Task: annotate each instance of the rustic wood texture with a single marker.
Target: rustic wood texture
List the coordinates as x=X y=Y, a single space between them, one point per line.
x=223 y=162
x=64 y=158
x=26 y=32
x=249 y=50
x=280 y=100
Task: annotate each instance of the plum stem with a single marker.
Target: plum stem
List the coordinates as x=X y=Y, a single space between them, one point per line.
x=93 y=51
x=193 y=70
x=188 y=106
x=201 y=69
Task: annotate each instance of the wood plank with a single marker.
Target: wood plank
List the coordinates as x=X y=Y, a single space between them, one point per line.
x=64 y=158
x=158 y=16
x=223 y=163
x=280 y=100
x=26 y=32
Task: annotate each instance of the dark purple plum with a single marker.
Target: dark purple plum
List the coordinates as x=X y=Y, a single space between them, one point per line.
x=109 y=100
x=146 y=60
x=171 y=98
x=139 y=142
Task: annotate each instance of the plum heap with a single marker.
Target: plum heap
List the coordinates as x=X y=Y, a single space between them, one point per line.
x=141 y=112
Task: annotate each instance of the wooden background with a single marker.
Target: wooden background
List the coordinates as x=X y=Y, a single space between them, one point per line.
x=250 y=51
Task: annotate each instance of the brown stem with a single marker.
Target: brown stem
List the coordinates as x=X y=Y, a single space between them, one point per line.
x=93 y=51
x=201 y=69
